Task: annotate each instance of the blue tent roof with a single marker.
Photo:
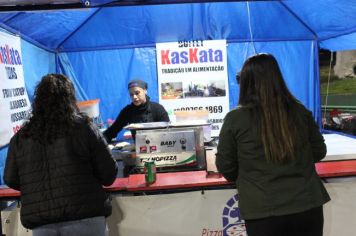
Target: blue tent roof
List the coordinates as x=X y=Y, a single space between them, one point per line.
x=93 y=28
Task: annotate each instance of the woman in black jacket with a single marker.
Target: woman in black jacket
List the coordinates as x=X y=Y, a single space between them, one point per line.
x=141 y=110
x=269 y=145
x=59 y=161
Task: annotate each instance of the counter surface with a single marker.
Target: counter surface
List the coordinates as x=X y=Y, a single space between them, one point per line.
x=193 y=179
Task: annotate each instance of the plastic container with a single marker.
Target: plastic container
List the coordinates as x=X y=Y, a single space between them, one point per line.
x=90 y=107
x=198 y=115
x=195 y=117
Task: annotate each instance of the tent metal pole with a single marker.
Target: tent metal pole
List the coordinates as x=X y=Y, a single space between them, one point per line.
x=57 y=62
x=317 y=97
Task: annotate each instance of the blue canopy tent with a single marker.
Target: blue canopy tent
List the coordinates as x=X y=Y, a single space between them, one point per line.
x=103 y=44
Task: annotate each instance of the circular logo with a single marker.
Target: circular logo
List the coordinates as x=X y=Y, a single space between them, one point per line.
x=233 y=225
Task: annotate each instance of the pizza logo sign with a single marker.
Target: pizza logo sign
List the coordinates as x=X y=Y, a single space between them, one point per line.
x=233 y=225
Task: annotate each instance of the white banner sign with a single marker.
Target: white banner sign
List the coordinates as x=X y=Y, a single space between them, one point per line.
x=192 y=75
x=14 y=103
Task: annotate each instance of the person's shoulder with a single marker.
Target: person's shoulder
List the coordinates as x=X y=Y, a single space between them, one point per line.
x=85 y=127
x=83 y=124
x=239 y=111
x=300 y=107
x=302 y=110
x=80 y=120
x=16 y=138
x=240 y=114
x=128 y=108
x=155 y=104
x=303 y=114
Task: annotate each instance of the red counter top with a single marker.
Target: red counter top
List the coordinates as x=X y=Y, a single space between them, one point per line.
x=8 y=192
x=192 y=179
x=174 y=180
x=336 y=168
x=120 y=184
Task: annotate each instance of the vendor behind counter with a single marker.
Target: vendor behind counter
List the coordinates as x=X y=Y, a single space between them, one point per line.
x=141 y=110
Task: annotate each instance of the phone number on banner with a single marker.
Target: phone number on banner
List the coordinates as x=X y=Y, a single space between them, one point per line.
x=211 y=109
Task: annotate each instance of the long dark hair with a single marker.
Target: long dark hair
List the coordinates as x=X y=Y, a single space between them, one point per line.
x=262 y=88
x=53 y=110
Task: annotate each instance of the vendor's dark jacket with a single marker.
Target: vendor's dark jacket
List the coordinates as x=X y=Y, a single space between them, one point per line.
x=61 y=181
x=148 y=112
x=267 y=189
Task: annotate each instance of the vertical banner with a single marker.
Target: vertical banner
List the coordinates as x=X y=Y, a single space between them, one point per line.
x=14 y=103
x=192 y=75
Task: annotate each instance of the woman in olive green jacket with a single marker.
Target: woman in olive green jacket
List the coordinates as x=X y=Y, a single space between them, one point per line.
x=269 y=145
